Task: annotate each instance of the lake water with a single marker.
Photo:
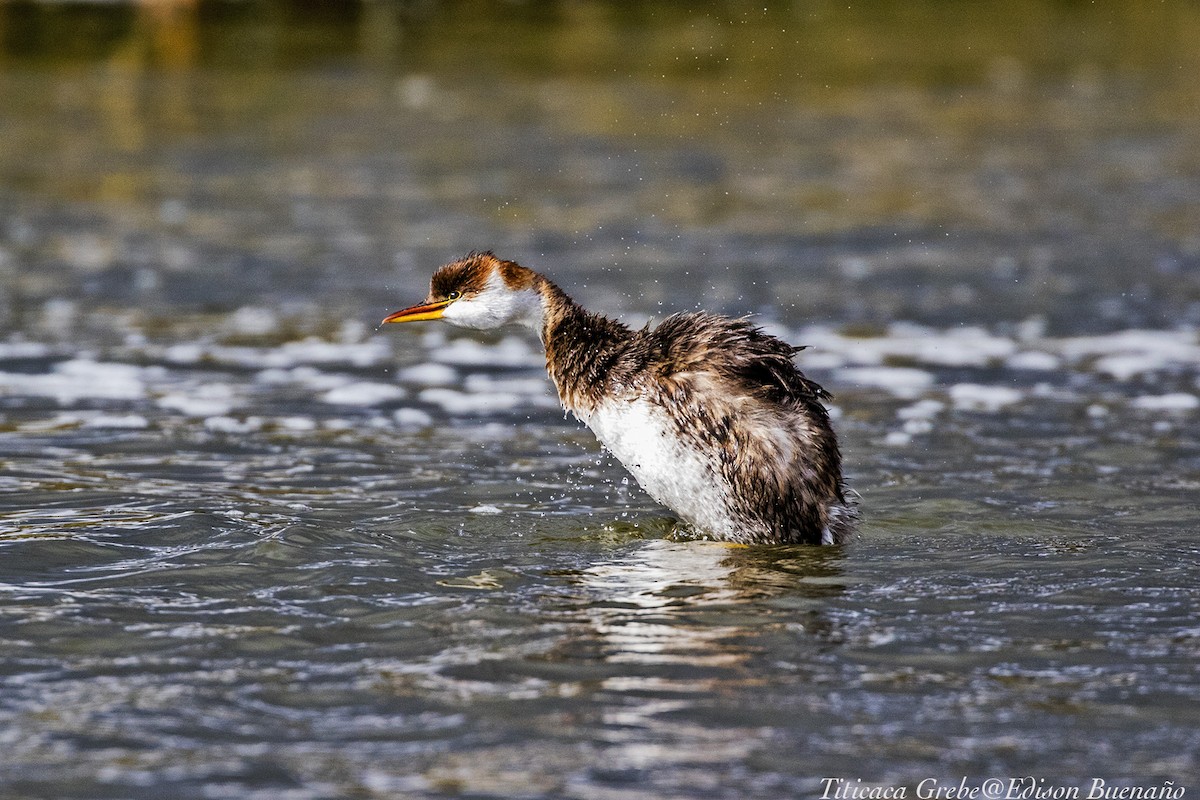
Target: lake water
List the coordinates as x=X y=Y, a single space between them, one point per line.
x=251 y=546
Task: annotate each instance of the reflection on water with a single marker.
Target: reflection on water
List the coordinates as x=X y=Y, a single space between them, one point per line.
x=663 y=603
x=252 y=547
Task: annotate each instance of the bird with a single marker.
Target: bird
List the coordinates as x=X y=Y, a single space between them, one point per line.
x=709 y=413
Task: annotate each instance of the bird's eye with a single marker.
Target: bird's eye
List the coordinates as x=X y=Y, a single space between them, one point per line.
x=454 y=295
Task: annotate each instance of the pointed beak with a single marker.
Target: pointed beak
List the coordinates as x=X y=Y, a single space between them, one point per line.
x=418 y=313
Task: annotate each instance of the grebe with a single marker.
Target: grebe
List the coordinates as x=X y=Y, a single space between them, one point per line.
x=708 y=413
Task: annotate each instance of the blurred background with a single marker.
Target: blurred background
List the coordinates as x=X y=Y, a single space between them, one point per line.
x=251 y=546
x=853 y=162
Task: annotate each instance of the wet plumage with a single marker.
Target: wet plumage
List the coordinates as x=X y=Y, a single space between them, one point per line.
x=709 y=413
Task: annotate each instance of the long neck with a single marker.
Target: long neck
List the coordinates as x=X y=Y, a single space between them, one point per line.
x=581 y=348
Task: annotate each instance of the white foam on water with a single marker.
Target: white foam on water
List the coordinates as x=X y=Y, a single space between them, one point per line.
x=357 y=354
x=412 y=418
x=1131 y=353
x=117 y=421
x=1050 y=391
x=1033 y=360
x=904 y=382
x=225 y=424
x=456 y=402
x=511 y=351
x=100 y=380
x=311 y=350
x=252 y=321
x=297 y=424
x=184 y=353
x=980 y=397
x=915 y=427
x=11 y=350
x=815 y=359
x=1123 y=354
x=1180 y=344
x=1174 y=401
x=429 y=374
x=309 y=377
x=363 y=393
x=909 y=362
x=537 y=388
x=922 y=409
x=59 y=421
x=79 y=379
x=1126 y=367
x=276 y=376
x=207 y=400
x=953 y=347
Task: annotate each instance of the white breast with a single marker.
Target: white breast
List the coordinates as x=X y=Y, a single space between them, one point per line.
x=642 y=438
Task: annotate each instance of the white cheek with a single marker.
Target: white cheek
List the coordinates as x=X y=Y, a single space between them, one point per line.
x=492 y=308
x=469 y=314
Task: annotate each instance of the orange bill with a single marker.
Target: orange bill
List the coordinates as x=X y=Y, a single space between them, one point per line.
x=418 y=313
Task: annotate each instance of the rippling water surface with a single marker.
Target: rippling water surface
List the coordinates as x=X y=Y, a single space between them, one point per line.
x=253 y=547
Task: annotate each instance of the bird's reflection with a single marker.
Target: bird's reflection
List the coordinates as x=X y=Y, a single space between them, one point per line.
x=672 y=627
x=699 y=603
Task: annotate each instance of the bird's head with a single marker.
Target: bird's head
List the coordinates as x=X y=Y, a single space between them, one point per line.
x=482 y=292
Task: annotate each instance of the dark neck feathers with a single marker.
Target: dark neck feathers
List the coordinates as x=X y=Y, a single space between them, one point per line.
x=581 y=348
